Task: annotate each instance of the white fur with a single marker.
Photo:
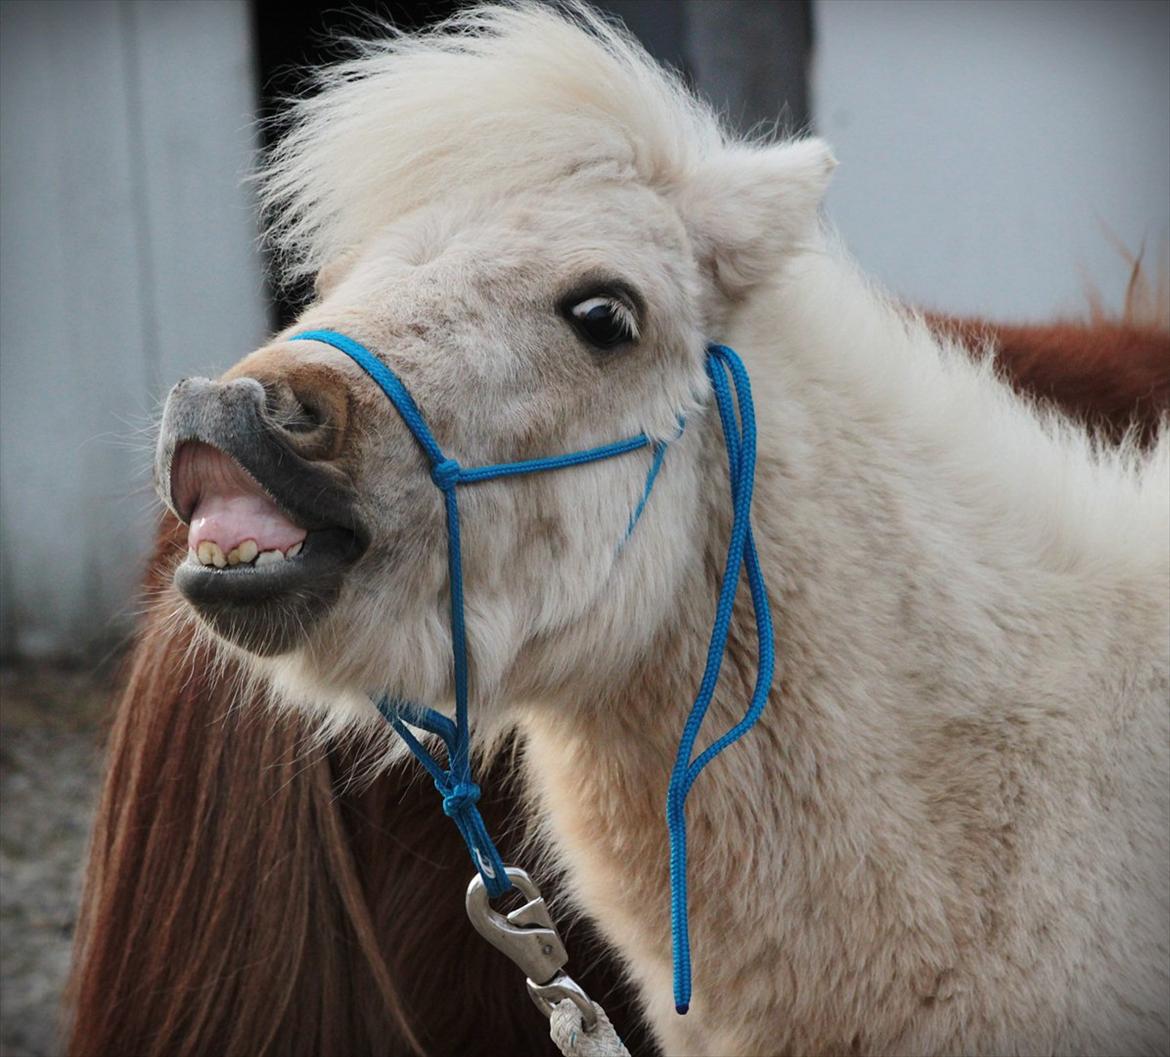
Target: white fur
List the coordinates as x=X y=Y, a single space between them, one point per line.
x=950 y=830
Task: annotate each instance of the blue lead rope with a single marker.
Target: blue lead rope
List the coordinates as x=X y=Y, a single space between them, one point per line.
x=454 y=781
x=740 y=438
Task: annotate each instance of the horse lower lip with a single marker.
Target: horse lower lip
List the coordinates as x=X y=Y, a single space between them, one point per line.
x=269 y=610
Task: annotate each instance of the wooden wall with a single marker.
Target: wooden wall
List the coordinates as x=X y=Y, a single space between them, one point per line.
x=127 y=259
x=989 y=153
x=993 y=153
x=128 y=252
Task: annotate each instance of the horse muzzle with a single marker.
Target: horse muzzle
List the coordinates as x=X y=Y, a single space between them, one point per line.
x=272 y=521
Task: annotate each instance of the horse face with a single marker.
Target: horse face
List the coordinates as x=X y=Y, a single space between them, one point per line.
x=543 y=324
x=525 y=323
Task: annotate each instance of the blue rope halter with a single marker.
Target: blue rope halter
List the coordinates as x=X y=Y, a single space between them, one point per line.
x=454 y=781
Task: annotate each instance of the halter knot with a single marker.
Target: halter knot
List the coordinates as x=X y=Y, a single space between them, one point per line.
x=445 y=474
x=458 y=797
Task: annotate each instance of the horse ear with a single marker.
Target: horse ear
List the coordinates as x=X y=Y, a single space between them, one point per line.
x=748 y=207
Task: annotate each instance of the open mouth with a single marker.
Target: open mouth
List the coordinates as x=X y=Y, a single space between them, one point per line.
x=235 y=524
x=232 y=520
x=271 y=535
x=261 y=566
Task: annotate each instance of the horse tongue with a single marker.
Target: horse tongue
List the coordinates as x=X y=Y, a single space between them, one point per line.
x=227 y=506
x=229 y=520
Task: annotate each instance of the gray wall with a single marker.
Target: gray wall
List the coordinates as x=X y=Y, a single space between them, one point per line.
x=982 y=146
x=987 y=150
x=127 y=259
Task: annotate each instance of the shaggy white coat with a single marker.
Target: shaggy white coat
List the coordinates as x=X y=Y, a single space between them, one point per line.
x=951 y=830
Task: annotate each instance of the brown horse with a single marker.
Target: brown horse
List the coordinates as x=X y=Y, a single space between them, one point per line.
x=244 y=897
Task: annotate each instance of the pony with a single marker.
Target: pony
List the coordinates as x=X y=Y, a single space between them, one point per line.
x=930 y=835
x=189 y=730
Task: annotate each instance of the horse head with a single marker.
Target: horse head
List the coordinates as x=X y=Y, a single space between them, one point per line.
x=541 y=279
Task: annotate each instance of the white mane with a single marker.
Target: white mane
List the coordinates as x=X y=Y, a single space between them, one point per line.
x=1050 y=488
x=496 y=98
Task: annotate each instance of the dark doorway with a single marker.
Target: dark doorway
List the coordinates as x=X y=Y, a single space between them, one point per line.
x=749 y=57
x=293 y=38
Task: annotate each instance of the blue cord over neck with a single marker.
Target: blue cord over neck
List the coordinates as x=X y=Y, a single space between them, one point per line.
x=454 y=781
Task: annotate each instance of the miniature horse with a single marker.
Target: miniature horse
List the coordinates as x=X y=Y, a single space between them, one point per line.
x=244 y=896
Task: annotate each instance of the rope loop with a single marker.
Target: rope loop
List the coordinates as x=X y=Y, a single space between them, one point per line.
x=458 y=798
x=446 y=474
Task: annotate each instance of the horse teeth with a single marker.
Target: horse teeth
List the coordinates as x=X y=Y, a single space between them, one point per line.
x=247 y=553
x=210 y=554
x=294 y=550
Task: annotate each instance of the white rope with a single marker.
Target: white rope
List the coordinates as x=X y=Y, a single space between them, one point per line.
x=567 y=1028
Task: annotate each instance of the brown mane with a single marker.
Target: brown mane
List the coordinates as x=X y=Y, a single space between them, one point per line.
x=239 y=900
x=1113 y=376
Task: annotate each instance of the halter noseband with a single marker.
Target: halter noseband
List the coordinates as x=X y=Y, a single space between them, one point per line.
x=454 y=782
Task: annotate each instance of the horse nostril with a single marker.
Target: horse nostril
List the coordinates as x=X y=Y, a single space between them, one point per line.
x=291 y=411
x=306 y=404
x=307 y=420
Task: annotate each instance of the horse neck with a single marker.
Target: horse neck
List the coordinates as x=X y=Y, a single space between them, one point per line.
x=920 y=536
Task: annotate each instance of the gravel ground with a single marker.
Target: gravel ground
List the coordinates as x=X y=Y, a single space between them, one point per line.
x=50 y=723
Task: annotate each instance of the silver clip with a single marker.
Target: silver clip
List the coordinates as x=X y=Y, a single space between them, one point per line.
x=528 y=936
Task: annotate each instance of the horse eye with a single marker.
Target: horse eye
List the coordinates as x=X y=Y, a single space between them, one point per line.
x=604 y=321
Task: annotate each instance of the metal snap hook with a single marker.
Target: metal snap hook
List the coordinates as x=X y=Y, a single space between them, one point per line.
x=557 y=990
x=527 y=935
x=530 y=939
